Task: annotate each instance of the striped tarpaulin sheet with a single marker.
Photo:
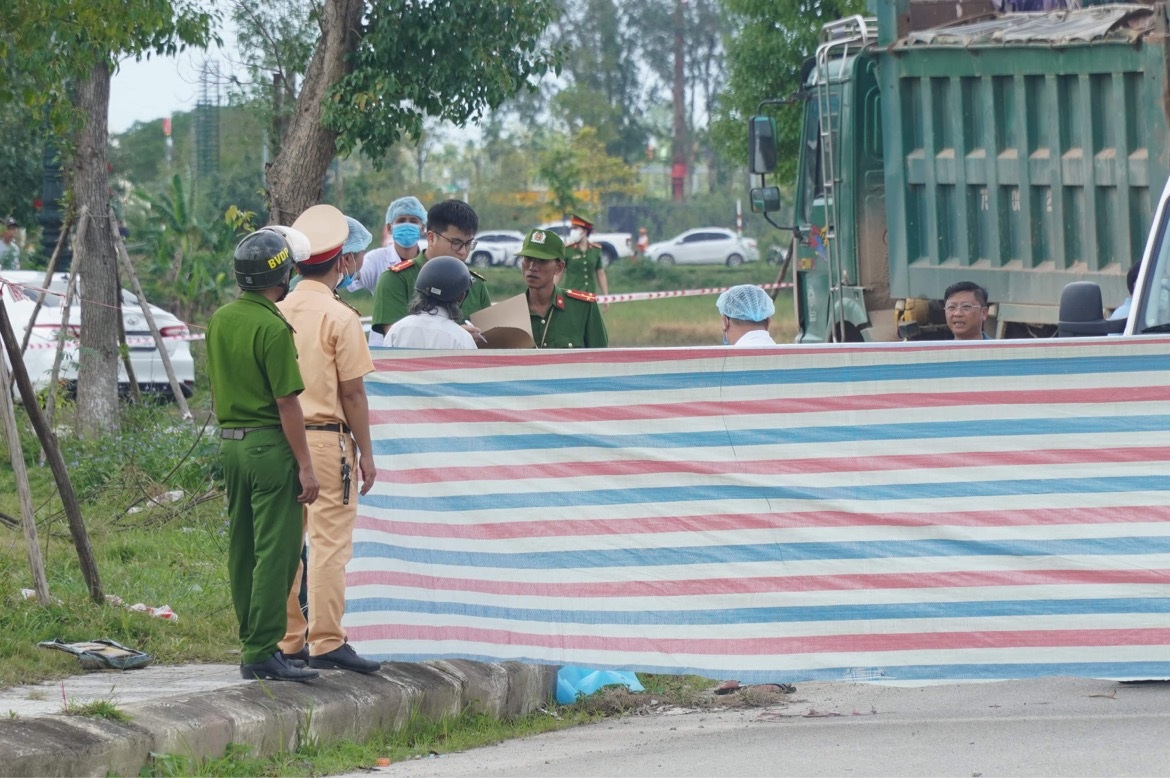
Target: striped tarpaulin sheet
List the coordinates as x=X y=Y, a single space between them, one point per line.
x=900 y=512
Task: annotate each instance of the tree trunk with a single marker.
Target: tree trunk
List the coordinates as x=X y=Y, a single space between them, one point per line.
x=97 y=380
x=296 y=178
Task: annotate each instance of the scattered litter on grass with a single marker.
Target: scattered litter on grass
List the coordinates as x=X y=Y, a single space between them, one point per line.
x=102 y=654
x=162 y=612
x=164 y=498
x=573 y=682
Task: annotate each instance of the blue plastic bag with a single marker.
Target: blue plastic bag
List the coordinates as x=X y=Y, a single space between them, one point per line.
x=573 y=682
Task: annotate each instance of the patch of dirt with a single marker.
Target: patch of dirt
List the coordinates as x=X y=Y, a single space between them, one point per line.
x=619 y=701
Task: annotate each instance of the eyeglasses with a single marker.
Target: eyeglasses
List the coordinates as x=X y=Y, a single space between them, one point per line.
x=963 y=307
x=457 y=244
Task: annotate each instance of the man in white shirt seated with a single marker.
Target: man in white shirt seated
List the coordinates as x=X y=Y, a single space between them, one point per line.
x=433 y=318
x=746 y=312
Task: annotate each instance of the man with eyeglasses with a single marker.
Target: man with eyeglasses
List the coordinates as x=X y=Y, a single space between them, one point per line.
x=451 y=228
x=965 y=304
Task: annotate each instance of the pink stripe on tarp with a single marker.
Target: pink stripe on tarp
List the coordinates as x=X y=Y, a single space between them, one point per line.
x=811 y=644
x=686 y=410
x=795 y=583
x=731 y=522
x=844 y=464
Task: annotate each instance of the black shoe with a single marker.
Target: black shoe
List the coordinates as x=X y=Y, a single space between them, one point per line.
x=274 y=668
x=299 y=659
x=344 y=658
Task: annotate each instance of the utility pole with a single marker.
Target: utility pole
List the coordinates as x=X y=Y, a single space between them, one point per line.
x=678 y=169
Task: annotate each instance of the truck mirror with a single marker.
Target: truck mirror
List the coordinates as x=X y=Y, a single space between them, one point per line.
x=1082 y=313
x=761 y=145
x=765 y=199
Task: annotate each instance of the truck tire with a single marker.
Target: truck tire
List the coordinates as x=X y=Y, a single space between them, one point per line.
x=735 y=260
x=480 y=259
x=665 y=259
x=608 y=255
x=852 y=334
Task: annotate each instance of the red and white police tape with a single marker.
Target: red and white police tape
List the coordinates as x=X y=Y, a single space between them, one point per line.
x=632 y=296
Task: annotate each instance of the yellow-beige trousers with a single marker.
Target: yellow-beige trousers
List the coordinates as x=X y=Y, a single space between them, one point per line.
x=329 y=525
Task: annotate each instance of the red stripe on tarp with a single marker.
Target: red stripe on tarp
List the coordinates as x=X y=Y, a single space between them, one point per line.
x=686 y=410
x=812 y=644
x=842 y=464
x=730 y=522
x=759 y=585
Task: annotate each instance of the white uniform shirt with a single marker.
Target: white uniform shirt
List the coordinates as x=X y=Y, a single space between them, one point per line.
x=428 y=330
x=755 y=339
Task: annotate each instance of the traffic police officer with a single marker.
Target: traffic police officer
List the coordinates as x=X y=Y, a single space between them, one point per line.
x=334 y=358
x=255 y=380
x=584 y=268
x=561 y=318
x=451 y=228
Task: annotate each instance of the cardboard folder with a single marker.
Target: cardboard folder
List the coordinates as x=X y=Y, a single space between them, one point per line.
x=506 y=324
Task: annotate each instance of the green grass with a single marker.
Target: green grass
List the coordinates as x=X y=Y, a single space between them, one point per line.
x=97 y=709
x=672 y=321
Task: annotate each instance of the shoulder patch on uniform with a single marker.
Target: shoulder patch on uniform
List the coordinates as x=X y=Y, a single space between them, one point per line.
x=588 y=297
x=403 y=265
x=476 y=275
x=347 y=305
x=593 y=245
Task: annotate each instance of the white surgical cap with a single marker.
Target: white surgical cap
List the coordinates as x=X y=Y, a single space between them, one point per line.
x=746 y=303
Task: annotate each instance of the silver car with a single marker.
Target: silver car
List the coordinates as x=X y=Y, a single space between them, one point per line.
x=705 y=246
x=144 y=356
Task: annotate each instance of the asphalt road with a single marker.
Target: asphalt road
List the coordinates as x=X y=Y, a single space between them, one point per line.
x=1048 y=727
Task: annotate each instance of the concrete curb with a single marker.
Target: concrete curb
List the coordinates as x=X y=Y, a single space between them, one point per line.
x=270 y=717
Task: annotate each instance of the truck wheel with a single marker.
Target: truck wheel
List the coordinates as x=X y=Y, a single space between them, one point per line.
x=735 y=260
x=608 y=256
x=481 y=259
x=665 y=259
x=852 y=334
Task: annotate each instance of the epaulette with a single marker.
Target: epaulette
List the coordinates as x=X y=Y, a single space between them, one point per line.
x=476 y=275
x=588 y=297
x=347 y=305
x=593 y=245
x=403 y=265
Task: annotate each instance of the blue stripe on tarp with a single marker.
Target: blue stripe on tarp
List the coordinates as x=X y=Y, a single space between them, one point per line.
x=1121 y=671
x=462 y=503
x=764 y=552
x=793 y=614
x=536 y=385
x=1114 y=426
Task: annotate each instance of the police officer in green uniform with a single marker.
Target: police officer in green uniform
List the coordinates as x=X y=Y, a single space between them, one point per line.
x=451 y=228
x=255 y=380
x=561 y=318
x=584 y=267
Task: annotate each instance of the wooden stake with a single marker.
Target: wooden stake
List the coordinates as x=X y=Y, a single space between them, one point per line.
x=52 y=268
x=48 y=440
x=127 y=363
x=66 y=306
x=176 y=388
x=36 y=565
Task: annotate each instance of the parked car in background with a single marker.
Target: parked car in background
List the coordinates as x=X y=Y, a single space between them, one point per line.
x=705 y=246
x=614 y=245
x=496 y=247
x=144 y=356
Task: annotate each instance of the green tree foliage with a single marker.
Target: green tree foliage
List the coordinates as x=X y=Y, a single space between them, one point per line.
x=772 y=39
x=581 y=163
x=21 y=151
x=600 y=45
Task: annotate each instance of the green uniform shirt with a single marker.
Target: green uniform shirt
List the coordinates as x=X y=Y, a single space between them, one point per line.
x=252 y=360
x=396 y=287
x=569 y=323
x=581 y=269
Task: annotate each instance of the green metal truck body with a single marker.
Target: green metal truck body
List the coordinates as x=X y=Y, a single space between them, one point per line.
x=1018 y=151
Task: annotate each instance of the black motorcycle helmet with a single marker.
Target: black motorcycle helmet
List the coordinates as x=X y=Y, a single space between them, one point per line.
x=444 y=278
x=262 y=260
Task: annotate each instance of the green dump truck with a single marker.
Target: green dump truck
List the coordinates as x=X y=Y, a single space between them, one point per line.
x=943 y=141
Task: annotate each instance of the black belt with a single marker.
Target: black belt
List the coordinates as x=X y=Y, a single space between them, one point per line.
x=238 y=433
x=336 y=427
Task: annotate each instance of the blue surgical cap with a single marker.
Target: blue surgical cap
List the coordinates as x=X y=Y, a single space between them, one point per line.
x=746 y=303
x=406 y=206
x=358 y=239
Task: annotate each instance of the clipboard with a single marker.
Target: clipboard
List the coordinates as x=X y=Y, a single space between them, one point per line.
x=505 y=324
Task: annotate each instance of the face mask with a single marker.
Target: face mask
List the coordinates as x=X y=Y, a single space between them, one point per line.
x=345 y=281
x=406 y=235
x=284 y=286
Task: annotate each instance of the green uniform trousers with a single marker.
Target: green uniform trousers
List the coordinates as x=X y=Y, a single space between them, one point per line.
x=264 y=544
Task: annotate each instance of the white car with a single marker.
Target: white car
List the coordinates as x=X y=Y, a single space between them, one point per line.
x=496 y=247
x=614 y=245
x=144 y=356
x=705 y=246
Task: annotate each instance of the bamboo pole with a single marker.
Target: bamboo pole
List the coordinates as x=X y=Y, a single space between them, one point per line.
x=52 y=268
x=66 y=306
x=48 y=440
x=36 y=564
x=176 y=388
x=127 y=362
